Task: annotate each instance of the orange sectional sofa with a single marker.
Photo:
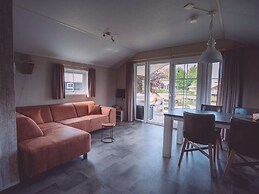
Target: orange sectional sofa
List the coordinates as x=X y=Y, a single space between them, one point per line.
x=49 y=135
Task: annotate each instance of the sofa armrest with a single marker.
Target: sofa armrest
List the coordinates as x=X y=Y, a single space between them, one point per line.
x=110 y=112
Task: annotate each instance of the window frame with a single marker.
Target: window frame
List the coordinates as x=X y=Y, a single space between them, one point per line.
x=82 y=72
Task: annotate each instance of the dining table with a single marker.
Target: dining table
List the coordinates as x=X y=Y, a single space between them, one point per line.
x=222 y=120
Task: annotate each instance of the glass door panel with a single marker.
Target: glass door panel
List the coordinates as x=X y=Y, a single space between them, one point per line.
x=214 y=83
x=140 y=94
x=158 y=92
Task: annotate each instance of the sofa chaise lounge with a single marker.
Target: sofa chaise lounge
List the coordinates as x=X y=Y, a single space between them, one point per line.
x=49 y=135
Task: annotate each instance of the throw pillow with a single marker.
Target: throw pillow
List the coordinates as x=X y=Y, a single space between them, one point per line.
x=94 y=109
x=35 y=115
x=27 y=128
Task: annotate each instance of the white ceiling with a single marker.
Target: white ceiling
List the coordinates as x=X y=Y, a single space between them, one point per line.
x=72 y=29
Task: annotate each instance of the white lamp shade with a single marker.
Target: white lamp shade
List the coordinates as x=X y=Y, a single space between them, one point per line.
x=211 y=55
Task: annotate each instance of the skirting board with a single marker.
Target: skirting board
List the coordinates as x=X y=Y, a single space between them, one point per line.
x=10 y=185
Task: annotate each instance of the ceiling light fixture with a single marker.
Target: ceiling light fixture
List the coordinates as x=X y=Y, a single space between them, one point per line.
x=211 y=54
x=194 y=19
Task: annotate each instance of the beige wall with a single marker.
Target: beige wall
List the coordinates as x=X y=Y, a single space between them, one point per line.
x=35 y=89
x=121 y=84
x=250 y=78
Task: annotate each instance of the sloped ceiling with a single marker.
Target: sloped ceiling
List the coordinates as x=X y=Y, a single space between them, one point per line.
x=72 y=29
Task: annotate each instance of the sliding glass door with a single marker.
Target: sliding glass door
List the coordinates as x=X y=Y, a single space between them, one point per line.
x=159 y=84
x=162 y=86
x=152 y=89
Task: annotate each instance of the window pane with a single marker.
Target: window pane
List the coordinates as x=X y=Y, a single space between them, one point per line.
x=186 y=86
x=180 y=73
x=214 y=83
x=78 y=77
x=69 y=77
x=75 y=81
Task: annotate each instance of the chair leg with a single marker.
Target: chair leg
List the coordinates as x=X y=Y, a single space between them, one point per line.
x=84 y=156
x=182 y=152
x=218 y=143
x=211 y=160
x=215 y=148
x=230 y=160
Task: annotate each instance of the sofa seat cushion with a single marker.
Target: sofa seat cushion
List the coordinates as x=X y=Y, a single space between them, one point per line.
x=55 y=147
x=63 y=111
x=87 y=123
x=26 y=128
x=49 y=126
x=79 y=123
x=96 y=121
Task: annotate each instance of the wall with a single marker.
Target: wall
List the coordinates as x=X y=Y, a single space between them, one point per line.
x=121 y=84
x=250 y=79
x=35 y=89
x=8 y=139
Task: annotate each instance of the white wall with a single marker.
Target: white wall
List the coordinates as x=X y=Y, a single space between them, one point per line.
x=35 y=89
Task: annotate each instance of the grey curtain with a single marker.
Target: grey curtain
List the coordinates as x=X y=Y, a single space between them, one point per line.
x=229 y=94
x=129 y=91
x=58 y=82
x=91 y=82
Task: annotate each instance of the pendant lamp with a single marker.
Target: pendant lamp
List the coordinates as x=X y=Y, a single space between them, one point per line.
x=211 y=54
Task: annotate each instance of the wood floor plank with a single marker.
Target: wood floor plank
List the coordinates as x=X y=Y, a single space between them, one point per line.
x=133 y=164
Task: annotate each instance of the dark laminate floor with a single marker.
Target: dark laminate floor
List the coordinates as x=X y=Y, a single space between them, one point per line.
x=134 y=164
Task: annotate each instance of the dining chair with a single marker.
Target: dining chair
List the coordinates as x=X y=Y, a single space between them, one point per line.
x=245 y=111
x=243 y=142
x=215 y=108
x=199 y=130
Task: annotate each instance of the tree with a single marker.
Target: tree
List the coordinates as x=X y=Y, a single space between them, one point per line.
x=184 y=80
x=155 y=80
x=180 y=74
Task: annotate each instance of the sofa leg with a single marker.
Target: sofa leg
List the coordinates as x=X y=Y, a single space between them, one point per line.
x=84 y=156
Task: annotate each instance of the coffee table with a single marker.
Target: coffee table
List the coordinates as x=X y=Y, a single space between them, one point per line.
x=107 y=132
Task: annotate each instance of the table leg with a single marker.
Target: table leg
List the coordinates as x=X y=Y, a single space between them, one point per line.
x=180 y=132
x=167 y=138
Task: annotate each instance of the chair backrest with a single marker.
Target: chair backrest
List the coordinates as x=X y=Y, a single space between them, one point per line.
x=245 y=111
x=243 y=137
x=199 y=128
x=208 y=107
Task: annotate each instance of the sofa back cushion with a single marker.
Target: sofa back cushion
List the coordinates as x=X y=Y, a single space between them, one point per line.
x=26 y=128
x=82 y=107
x=63 y=111
x=94 y=109
x=40 y=114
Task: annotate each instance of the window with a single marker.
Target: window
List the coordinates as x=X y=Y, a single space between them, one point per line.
x=76 y=81
x=185 y=86
x=214 y=86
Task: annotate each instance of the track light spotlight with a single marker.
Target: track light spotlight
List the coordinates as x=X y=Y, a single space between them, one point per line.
x=112 y=39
